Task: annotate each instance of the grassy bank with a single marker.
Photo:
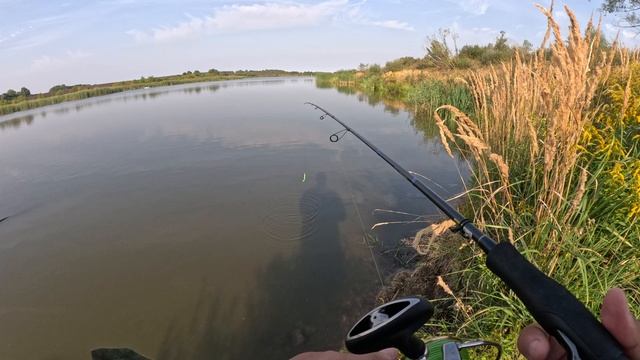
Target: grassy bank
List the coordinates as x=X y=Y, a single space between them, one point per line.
x=417 y=91
x=62 y=93
x=556 y=173
x=554 y=143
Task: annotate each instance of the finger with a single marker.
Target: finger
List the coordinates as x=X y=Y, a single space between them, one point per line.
x=387 y=354
x=617 y=318
x=325 y=355
x=533 y=343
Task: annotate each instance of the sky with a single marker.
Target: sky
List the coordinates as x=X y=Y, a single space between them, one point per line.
x=46 y=42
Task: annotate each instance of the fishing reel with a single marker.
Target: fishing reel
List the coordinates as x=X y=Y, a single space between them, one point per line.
x=394 y=325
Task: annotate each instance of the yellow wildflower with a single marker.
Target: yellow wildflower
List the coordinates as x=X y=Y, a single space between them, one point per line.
x=635 y=211
x=616 y=174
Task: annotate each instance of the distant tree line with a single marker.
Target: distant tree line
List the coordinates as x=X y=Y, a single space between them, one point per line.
x=12 y=94
x=441 y=51
x=13 y=101
x=441 y=54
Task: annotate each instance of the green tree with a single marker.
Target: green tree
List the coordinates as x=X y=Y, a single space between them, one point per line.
x=10 y=95
x=25 y=92
x=501 y=42
x=58 y=88
x=472 y=51
x=406 y=62
x=438 y=51
x=627 y=9
x=375 y=69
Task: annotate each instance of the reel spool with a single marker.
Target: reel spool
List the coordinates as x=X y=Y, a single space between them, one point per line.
x=394 y=325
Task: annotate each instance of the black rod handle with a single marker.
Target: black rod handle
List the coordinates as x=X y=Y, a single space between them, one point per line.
x=553 y=306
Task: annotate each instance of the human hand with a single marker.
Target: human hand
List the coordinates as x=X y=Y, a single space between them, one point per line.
x=535 y=344
x=387 y=354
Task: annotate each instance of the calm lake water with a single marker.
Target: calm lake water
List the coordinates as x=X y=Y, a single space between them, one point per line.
x=203 y=221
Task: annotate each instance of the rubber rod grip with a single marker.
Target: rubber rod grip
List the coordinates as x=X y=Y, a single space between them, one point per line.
x=553 y=306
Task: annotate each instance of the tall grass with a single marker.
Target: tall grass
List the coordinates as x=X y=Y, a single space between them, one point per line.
x=553 y=141
x=539 y=139
x=417 y=91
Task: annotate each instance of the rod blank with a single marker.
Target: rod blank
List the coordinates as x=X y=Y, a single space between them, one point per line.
x=463 y=225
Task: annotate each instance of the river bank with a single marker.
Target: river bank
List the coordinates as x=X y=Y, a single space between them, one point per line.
x=62 y=93
x=552 y=141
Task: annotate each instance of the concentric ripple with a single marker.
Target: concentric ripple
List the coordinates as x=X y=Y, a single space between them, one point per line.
x=292 y=218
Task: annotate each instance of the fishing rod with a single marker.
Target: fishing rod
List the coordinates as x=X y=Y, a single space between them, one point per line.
x=551 y=304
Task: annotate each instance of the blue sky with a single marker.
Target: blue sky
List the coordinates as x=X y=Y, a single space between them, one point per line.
x=44 y=42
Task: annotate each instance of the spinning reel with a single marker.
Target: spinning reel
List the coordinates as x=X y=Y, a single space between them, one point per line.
x=394 y=325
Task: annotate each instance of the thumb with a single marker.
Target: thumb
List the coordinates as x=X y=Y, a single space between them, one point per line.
x=617 y=318
x=386 y=354
x=533 y=343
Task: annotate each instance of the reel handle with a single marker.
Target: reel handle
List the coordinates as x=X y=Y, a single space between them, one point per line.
x=391 y=325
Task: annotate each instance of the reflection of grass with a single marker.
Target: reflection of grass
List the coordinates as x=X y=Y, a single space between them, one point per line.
x=17 y=122
x=418 y=92
x=79 y=92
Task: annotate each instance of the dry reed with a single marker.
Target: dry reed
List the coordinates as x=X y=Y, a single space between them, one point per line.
x=540 y=104
x=551 y=173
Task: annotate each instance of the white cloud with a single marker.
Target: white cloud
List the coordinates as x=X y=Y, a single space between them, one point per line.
x=265 y=16
x=47 y=63
x=247 y=17
x=393 y=24
x=612 y=31
x=474 y=35
x=475 y=7
x=560 y=14
x=275 y=15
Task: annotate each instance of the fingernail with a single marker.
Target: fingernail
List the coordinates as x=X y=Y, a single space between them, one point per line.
x=389 y=354
x=534 y=349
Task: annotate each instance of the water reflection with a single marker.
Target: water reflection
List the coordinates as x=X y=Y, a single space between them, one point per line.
x=421 y=117
x=391 y=105
x=208 y=331
x=17 y=122
x=278 y=320
x=199 y=89
x=145 y=219
x=136 y=95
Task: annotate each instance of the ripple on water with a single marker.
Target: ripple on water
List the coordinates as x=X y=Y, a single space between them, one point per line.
x=291 y=218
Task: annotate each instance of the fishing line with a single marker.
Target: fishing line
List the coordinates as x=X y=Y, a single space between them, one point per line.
x=365 y=235
x=335 y=137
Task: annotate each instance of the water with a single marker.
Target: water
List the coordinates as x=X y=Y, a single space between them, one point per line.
x=200 y=221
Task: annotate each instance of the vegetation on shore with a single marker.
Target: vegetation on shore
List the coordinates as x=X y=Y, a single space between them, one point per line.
x=553 y=139
x=14 y=101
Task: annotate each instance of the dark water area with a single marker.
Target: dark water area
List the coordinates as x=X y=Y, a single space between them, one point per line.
x=202 y=221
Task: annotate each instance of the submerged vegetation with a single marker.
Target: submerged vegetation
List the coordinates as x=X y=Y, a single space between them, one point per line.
x=553 y=139
x=14 y=101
